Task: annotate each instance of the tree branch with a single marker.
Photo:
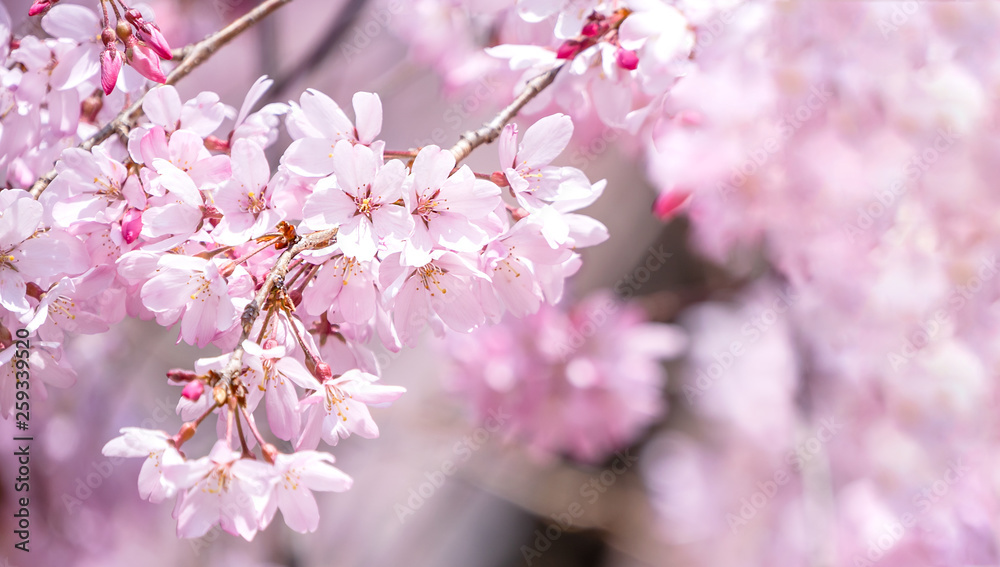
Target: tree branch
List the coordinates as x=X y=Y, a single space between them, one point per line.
x=311 y=241
x=193 y=56
x=489 y=131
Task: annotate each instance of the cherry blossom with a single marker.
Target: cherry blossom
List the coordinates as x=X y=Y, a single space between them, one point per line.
x=160 y=453
x=299 y=474
x=340 y=408
x=360 y=200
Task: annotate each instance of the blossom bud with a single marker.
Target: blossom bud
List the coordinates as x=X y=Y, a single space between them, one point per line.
x=108 y=37
x=500 y=179
x=323 y=371
x=216 y=144
x=193 y=390
x=269 y=344
x=627 y=59
x=131 y=225
x=569 y=49
x=111 y=64
x=142 y=58
x=149 y=33
x=594 y=28
x=154 y=38
x=668 y=204
x=90 y=107
x=181 y=375
x=40 y=6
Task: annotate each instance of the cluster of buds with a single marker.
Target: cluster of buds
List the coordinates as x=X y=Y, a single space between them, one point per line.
x=601 y=28
x=144 y=43
x=144 y=46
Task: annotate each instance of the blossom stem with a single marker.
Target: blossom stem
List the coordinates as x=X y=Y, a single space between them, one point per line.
x=104 y=7
x=253 y=427
x=313 y=241
x=491 y=130
x=198 y=54
x=243 y=440
x=399 y=154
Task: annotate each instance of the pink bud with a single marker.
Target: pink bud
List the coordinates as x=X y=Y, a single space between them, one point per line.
x=269 y=344
x=569 y=49
x=154 y=38
x=193 y=390
x=131 y=222
x=216 y=144
x=669 y=204
x=627 y=59
x=181 y=375
x=499 y=179
x=111 y=64
x=323 y=371
x=142 y=58
x=594 y=29
x=149 y=33
x=38 y=7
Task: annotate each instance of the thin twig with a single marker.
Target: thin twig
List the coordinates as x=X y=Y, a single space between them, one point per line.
x=312 y=241
x=489 y=131
x=197 y=55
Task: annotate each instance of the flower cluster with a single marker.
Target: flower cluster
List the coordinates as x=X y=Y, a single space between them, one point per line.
x=292 y=274
x=582 y=383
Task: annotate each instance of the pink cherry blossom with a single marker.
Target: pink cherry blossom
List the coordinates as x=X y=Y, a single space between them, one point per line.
x=443 y=287
x=245 y=201
x=279 y=376
x=360 y=200
x=299 y=474
x=584 y=381
x=340 y=408
x=527 y=168
x=160 y=453
x=447 y=208
x=223 y=489
x=27 y=254
x=318 y=124
x=195 y=291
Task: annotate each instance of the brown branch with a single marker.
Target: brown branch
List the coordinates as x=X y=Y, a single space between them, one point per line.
x=193 y=56
x=489 y=131
x=312 y=241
